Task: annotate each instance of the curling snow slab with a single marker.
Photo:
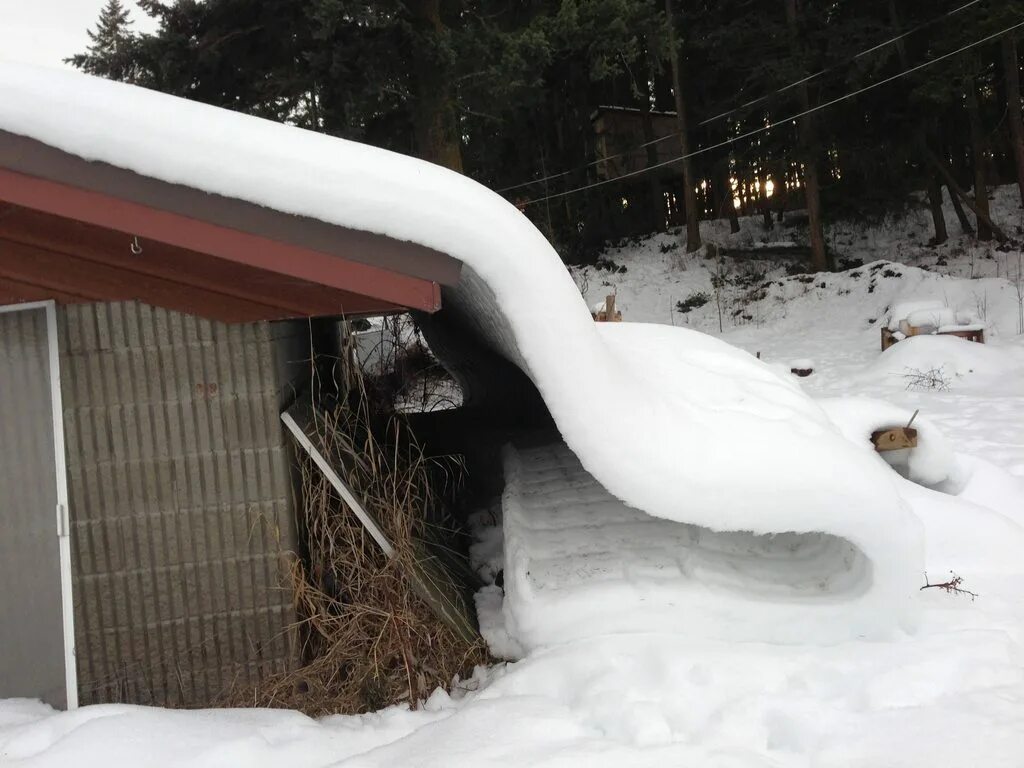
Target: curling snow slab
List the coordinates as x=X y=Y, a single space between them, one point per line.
x=670 y=422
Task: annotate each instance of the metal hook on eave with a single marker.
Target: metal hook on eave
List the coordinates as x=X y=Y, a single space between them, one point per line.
x=136 y=246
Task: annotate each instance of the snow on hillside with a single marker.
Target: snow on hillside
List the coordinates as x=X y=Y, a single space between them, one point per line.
x=903 y=239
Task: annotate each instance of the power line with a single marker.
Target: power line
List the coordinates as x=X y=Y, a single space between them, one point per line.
x=773 y=124
x=751 y=103
x=862 y=54
x=588 y=165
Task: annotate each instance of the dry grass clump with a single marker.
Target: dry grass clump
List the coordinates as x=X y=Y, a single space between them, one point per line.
x=369 y=638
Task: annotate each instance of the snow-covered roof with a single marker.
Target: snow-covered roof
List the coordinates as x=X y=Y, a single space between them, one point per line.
x=673 y=422
x=234 y=155
x=170 y=190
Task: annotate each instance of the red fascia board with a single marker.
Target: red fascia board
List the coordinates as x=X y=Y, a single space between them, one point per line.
x=221 y=242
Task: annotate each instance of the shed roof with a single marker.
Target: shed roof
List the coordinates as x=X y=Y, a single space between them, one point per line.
x=76 y=229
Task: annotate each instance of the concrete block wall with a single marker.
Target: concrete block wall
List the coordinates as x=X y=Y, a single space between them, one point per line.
x=181 y=503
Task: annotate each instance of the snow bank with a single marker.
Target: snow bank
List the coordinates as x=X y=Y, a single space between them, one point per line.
x=953 y=695
x=965 y=536
x=119 y=735
x=676 y=424
x=987 y=485
x=932 y=462
x=956 y=359
x=949 y=698
x=971 y=510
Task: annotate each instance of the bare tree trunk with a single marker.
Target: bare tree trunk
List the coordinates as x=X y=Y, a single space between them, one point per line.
x=812 y=189
x=693 y=241
x=656 y=203
x=955 y=191
x=766 y=209
x=782 y=192
x=436 y=126
x=809 y=140
x=934 y=184
x=1011 y=73
x=897 y=28
x=935 y=203
x=724 y=186
x=947 y=175
x=978 y=161
x=961 y=215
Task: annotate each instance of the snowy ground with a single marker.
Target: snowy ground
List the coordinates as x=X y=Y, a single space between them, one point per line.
x=951 y=694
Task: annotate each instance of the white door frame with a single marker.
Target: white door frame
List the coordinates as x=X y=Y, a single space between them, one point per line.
x=61 y=512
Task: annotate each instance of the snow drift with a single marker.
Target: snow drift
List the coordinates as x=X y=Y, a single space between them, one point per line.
x=673 y=423
x=956 y=361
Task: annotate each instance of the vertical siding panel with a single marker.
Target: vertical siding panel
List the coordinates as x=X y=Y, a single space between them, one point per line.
x=246 y=493
x=158 y=370
x=96 y=449
x=256 y=497
x=184 y=415
x=227 y=474
x=261 y=497
x=112 y=410
x=134 y=512
x=202 y=388
x=156 y=485
x=229 y=487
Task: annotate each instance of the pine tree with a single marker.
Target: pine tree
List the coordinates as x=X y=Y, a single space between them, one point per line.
x=112 y=46
x=507 y=89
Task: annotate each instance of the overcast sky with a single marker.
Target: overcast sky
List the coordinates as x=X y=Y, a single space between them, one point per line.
x=47 y=31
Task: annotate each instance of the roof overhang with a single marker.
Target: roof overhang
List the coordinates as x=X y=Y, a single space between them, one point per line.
x=76 y=231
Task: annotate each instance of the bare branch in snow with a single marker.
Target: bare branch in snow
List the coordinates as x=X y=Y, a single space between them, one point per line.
x=952 y=586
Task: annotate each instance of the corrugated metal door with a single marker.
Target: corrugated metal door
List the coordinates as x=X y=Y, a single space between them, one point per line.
x=33 y=656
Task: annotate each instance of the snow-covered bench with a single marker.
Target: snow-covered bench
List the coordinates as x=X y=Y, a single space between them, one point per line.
x=918 y=318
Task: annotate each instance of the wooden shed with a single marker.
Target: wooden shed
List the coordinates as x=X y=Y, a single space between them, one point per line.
x=150 y=334
x=620 y=137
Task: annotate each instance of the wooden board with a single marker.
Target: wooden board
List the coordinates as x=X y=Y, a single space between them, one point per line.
x=976 y=335
x=888 y=339
x=609 y=314
x=894 y=439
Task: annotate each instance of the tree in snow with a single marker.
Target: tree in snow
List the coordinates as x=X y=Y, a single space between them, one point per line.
x=112 y=47
x=506 y=91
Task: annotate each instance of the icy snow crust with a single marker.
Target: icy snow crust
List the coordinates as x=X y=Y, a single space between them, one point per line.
x=671 y=422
